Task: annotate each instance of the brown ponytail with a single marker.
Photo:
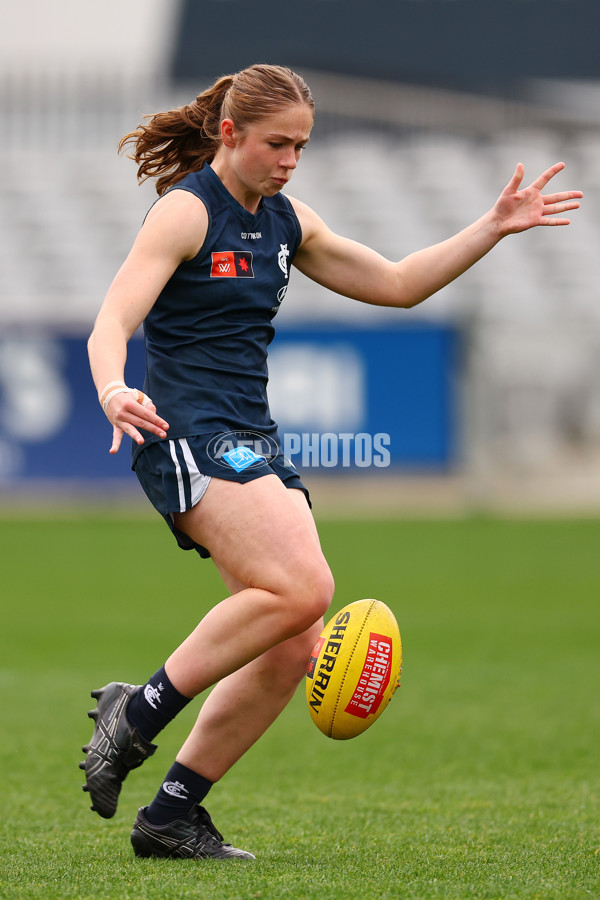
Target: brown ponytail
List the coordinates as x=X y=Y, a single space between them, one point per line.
x=180 y=141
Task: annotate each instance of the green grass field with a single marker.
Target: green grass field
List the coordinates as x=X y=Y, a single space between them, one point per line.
x=481 y=779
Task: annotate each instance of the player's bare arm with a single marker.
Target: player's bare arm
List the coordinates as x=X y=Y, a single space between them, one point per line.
x=351 y=269
x=173 y=232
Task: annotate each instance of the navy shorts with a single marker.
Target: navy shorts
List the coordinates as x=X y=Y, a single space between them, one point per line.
x=175 y=473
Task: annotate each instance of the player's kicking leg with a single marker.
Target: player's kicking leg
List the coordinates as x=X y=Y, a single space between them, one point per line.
x=286 y=559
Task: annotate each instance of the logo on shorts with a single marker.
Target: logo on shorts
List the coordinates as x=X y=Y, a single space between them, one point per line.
x=240 y=449
x=175 y=789
x=242 y=457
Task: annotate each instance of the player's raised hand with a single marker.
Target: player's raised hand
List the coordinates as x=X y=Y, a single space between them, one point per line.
x=519 y=209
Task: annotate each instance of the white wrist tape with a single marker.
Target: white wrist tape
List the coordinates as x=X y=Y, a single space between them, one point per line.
x=119 y=387
x=119 y=390
x=107 y=387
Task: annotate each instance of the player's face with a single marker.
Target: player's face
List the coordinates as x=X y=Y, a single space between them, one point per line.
x=267 y=152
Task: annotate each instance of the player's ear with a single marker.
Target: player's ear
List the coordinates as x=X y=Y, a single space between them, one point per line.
x=229 y=133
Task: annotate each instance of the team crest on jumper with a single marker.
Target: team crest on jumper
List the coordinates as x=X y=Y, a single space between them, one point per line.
x=232 y=264
x=282 y=258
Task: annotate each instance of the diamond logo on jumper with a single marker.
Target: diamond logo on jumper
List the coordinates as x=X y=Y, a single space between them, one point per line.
x=175 y=789
x=242 y=457
x=152 y=695
x=282 y=258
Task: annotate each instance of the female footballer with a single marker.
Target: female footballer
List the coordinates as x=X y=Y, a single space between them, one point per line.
x=206 y=275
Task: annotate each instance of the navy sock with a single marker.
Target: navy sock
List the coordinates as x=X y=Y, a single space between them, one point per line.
x=179 y=792
x=155 y=705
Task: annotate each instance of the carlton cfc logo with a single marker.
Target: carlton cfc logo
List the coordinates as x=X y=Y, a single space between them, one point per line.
x=232 y=264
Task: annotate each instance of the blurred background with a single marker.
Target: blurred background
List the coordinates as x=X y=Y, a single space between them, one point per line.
x=489 y=393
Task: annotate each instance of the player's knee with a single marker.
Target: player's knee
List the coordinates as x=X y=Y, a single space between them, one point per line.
x=323 y=593
x=310 y=594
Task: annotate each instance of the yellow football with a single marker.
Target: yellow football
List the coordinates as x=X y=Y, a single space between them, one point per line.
x=354 y=669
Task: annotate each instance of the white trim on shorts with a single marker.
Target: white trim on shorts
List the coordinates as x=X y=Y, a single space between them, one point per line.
x=188 y=475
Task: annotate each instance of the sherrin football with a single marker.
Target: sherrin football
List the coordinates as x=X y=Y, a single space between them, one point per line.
x=354 y=669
